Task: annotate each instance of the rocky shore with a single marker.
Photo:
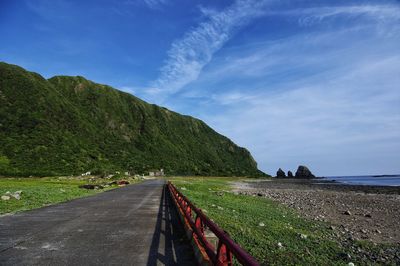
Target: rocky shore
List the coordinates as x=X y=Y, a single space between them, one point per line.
x=369 y=213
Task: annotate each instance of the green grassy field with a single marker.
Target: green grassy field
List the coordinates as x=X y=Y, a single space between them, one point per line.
x=259 y=225
x=39 y=192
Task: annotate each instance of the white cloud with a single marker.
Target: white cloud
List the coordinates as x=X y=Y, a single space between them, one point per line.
x=189 y=55
x=376 y=12
x=329 y=100
x=332 y=125
x=317 y=14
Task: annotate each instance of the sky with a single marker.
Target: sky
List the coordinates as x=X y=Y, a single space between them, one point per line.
x=296 y=82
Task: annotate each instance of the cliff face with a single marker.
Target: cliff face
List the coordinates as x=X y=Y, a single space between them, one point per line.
x=70 y=125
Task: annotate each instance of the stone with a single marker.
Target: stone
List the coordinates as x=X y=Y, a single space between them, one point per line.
x=290 y=174
x=5 y=197
x=87 y=186
x=368 y=215
x=261 y=224
x=280 y=173
x=280 y=245
x=347 y=212
x=259 y=194
x=16 y=196
x=344 y=256
x=304 y=172
x=303 y=236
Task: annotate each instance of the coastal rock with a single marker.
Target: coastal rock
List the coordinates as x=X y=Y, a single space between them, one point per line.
x=290 y=174
x=302 y=236
x=5 y=197
x=304 y=172
x=16 y=196
x=280 y=173
x=87 y=186
x=124 y=182
x=90 y=186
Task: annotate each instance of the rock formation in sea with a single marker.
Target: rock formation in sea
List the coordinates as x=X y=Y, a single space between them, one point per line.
x=280 y=173
x=290 y=174
x=304 y=172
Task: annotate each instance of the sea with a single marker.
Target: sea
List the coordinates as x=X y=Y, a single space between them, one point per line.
x=372 y=180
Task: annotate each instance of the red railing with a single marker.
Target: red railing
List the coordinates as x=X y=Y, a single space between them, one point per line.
x=222 y=255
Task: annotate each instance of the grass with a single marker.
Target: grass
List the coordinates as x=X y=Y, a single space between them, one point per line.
x=39 y=192
x=259 y=224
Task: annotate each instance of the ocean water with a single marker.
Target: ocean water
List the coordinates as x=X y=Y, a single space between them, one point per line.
x=387 y=180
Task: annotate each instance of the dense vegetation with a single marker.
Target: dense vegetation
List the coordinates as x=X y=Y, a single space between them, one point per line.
x=70 y=125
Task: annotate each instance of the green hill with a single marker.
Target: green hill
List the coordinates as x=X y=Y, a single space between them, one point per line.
x=70 y=125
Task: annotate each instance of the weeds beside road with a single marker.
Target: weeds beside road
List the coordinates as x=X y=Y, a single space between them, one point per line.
x=39 y=192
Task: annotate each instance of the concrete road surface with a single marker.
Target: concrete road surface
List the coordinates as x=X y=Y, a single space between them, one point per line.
x=133 y=225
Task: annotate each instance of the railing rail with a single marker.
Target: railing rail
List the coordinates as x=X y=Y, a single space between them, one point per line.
x=198 y=221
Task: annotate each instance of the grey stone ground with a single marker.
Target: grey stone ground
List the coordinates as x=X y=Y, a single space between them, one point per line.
x=134 y=225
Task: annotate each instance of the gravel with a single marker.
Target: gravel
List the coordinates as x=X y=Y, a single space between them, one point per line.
x=352 y=212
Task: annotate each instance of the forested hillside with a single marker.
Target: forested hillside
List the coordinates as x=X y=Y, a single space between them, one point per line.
x=70 y=125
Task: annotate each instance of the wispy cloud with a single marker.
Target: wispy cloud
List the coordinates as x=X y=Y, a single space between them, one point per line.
x=380 y=13
x=326 y=98
x=334 y=126
x=189 y=55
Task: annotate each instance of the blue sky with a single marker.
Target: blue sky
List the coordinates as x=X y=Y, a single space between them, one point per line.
x=295 y=82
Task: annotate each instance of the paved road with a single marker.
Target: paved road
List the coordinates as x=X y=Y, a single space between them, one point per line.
x=134 y=225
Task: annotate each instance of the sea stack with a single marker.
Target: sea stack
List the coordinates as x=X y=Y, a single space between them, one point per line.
x=280 y=173
x=290 y=174
x=304 y=172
